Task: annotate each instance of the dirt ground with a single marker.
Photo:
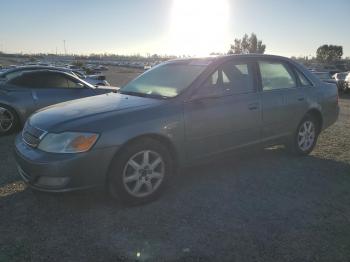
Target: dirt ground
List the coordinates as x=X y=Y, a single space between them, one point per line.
x=264 y=205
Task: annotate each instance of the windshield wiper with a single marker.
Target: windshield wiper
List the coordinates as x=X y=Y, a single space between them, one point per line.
x=142 y=94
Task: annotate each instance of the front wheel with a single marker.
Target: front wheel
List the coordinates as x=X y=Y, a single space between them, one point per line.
x=9 y=121
x=140 y=173
x=305 y=137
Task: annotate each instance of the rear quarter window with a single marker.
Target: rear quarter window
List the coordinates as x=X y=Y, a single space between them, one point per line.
x=303 y=80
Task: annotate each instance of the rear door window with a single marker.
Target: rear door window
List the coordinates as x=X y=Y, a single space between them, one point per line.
x=276 y=75
x=54 y=80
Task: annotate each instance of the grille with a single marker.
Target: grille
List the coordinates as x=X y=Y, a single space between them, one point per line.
x=32 y=135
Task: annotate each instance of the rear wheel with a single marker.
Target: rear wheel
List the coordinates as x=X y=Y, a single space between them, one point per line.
x=9 y=121
x=305 y=137
x=140 y=173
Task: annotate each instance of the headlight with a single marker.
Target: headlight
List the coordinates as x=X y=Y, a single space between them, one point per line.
x=68 y=142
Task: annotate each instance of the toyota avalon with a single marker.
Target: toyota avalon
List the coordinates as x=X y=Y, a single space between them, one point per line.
x=170 y=116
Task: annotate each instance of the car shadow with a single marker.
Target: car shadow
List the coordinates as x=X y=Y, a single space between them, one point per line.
x=246 y=167
x=248 y=201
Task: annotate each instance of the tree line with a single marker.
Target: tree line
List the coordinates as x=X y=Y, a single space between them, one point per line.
x=252 y=45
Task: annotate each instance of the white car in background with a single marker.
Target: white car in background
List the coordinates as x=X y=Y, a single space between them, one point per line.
x=347 y=82
x=96 y=80
x=340 y=78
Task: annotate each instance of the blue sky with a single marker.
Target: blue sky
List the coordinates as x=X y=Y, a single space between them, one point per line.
x=287 y=27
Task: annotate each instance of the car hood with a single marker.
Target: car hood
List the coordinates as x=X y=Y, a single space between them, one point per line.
x=109 y=88
x=89 y=109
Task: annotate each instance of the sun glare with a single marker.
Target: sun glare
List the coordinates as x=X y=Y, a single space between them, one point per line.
x=199 y=27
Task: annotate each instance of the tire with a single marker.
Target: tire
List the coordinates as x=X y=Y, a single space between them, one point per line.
x=132 y=179
x=305 y=137
x=9 y=121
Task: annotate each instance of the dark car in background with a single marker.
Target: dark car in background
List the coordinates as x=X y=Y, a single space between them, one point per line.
x=29 y=91
x=174 y=115
x=327 y=78
x=97 y=80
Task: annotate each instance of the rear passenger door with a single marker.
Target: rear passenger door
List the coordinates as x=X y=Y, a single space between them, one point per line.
x=283 y=101
x=225 y=112
x=52 y=88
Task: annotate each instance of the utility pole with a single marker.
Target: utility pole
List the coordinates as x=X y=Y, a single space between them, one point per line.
x=64 y=46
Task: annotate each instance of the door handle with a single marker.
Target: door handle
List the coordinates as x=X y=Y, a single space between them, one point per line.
x=301 y=99
x=254 y=106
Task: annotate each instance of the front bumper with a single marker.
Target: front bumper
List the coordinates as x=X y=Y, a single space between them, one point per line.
x=62 y=172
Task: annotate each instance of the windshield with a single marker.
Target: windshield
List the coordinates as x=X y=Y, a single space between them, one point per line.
x=167 y=80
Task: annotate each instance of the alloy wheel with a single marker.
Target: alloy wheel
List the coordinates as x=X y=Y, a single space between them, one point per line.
x=143 y=173
x=306 y=135
x=6 y=120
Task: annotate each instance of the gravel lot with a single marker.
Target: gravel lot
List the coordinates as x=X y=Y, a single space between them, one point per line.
x=264 y=205
x=119 y=76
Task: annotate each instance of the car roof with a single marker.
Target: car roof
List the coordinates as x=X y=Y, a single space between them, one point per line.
x=48 y=70
x=35 y=67
x=220 y=57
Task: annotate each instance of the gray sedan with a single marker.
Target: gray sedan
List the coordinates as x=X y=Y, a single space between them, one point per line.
x=174 y=115
x=29 y=91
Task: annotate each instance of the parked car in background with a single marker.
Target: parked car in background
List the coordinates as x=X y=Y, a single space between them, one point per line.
x=98 y=80
x=29 y=91
x=16 y=71
x=325 y=77
x=347 y=82
x=102 y=68
x=340 y=79
x=173 y=115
